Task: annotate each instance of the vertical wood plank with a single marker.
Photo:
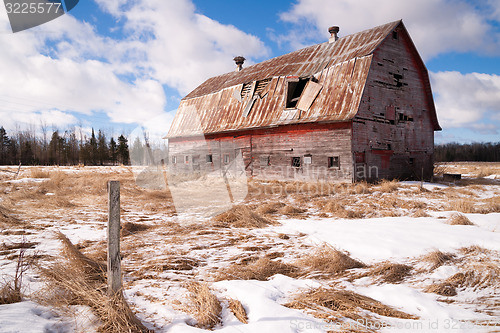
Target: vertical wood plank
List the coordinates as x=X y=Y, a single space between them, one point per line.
x=114 y=260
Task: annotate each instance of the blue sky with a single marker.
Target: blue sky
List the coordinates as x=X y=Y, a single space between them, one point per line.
x=120 y=64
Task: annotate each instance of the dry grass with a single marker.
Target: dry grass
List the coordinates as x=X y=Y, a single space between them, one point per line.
x=420 y=213
x=337 y=209
x=389 y=272
x=261 y=270
x=79 y=280
x=459 y=219
x=325 y=261
x=269 y=208
x=387 y=186
x=330 y=304
x=291 y=210
x=462 y=205
x=129 y=228
x=437 y=258
x=238 y=310
x=7 y=217
x=203 y=305
x=9 y=292
x=241 y=217
x=39 y=173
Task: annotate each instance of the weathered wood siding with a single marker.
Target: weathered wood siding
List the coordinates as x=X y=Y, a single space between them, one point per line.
x=268 y=153
x=393 y=132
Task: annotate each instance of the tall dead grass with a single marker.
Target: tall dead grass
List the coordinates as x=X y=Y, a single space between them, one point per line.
x=325 y=261
x=389 y=272
x=39 y=173
x=238 y=310
x=459 y=219
x=338 y=210
x=437 y=258
x=203 y=305
x=462 y=205
x=261 y=270
x=80 y=280
x=7 y=217
x=331 y=304
x=388 y=186
x=241 y=217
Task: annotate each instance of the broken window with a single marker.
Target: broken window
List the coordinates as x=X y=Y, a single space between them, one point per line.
x=295 y=87
x=307 y=159
x=397 y=79
x=226 y=158
x=209 y=158
x=296 y=162
x=394 y=35
x=333 y=162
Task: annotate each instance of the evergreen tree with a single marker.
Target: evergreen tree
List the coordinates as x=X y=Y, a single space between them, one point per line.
x=113 y=151
x=93 y=149
x=102 y=148
x=123 y=153
x=54 y=150
x=5 y=144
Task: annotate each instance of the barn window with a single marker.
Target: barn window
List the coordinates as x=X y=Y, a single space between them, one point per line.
x=412 y=160
x=333 y=162
x=209 y=158
x=265 y=160
x=296 y=162
x=307 y=159
x=294 y=91
x=395 y=35
x=226 y=158
x=174 y=159
x=196 y=159
x=398 y=78
x=186 y=159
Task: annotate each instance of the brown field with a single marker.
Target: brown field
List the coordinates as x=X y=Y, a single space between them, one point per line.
x=184 y=256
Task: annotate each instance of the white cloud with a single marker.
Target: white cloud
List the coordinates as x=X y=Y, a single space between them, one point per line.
x=52 y=72
x=467 y=100
x=436 y=26
x=183 y=48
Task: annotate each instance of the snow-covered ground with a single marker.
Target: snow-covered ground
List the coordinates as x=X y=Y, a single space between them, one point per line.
x=74 y=202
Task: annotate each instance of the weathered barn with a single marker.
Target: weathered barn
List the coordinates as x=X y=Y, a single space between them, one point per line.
x=356 y=107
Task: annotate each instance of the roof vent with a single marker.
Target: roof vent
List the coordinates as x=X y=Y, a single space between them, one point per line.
x=239 y=60
x=333 y=33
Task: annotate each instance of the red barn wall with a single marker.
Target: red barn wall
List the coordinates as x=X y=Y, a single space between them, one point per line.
x=393 y=131
x=268 y=153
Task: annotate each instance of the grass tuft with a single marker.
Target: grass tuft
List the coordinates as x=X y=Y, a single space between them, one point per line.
x=238 y=310
x=39 y=173
x=437 y=258
x=388 y=186
x=389 y=272
x=459 y=219
x=129 y=228
x=261 y=269
x=241 y=217
x=326 y=260
x=203 y=305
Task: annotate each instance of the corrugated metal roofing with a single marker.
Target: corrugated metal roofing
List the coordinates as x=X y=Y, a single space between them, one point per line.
x=341 y=67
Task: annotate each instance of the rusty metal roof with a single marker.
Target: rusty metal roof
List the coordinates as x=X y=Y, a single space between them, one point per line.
x=340 y=67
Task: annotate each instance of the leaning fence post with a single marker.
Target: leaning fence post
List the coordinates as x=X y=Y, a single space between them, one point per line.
x=114 y=259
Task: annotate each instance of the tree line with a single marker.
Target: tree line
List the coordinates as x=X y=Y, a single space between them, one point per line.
x=63 y=148
x=473 y=152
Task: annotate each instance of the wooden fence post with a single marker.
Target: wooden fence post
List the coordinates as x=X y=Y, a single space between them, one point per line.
x=114 y=259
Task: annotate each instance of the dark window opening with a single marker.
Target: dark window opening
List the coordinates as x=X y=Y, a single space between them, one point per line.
x=389 y=147
x=333 y=162
x=186 y=159
x=403 y=117
x=296 y=162
x=398 y=78
x=412 y=160
x=295 y=89
x=209 y=158
x=226 y=158
x=395 y=35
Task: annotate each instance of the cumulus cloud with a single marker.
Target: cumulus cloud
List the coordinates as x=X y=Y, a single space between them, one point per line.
x=52 y=72
x=468 y=100
x=436 y=26
x=183 y=48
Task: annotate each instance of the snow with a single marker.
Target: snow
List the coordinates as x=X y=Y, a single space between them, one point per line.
x=28 y=180
x=426 y=185
x=396 y=238
x=29 y=317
